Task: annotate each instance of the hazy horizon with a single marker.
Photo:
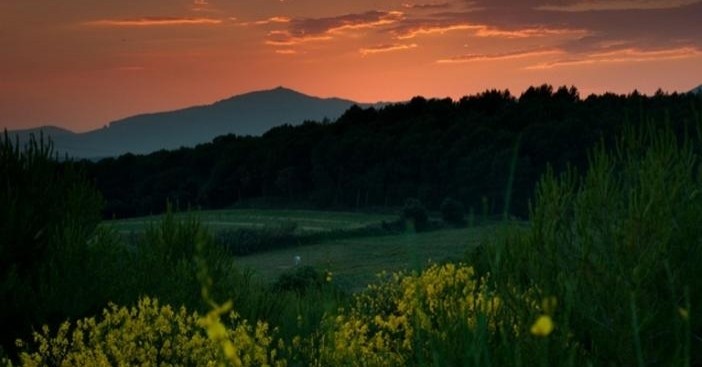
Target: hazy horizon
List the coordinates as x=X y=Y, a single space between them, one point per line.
x=81 y=65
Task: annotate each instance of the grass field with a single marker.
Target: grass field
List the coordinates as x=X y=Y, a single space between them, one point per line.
x=355 y=262
x=306 y=220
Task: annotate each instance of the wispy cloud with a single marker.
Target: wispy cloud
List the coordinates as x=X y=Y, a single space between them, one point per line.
x=428 y=29
x=426 y=6
x=370 y=19
x=387 y=48
x=285 y=38
x=609 y=5
x=499 y=56
x=267 y=21
x=153 y=21
x=302 y=30
x=286 y=52
x=628 y=55
x=486 y=31
x=482 y=30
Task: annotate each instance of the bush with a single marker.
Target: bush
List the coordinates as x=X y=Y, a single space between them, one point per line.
x=452 y=212
x=300 y=280
x=436 y=317
x=619 y=248
x=164 y=264
x=414 y=214
x=153 y=335
x=49 y=242
x=245 y=241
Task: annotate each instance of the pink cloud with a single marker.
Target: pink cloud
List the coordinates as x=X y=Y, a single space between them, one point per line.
x=627 y=55
x=436 y=29
x=498 y=57
x=286 y=52
x=285 y=38
x=426 y=6
x=153 y=21
x=604 y=5
x=387 y=48
x=529 y=32
x=271 y=20
x=304 y=30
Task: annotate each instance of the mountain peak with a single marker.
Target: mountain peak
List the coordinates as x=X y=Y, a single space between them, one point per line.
x=281 y=88
x=251 y=113
x=276 y=93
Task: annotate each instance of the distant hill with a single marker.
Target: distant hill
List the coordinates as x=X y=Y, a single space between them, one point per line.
x=247 y=114
x=697 y=90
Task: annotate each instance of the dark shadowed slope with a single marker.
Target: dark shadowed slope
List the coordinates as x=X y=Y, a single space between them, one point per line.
x=247 y=114
x=697 y=90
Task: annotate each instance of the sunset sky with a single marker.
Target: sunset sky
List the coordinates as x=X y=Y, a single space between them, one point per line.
x=80 y=64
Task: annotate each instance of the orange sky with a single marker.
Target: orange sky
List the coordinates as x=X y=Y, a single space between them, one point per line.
x=80 y=64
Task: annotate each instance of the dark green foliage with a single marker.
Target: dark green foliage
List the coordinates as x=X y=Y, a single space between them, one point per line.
x=452 y=212
x=620 y=248
x=300 y=279
x=427 y=148
x=49 y=246
x=163 y=262
x=415 y=214
x=245 y=241
x=58 y=263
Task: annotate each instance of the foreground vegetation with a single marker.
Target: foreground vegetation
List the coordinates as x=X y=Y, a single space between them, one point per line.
x=604 y=274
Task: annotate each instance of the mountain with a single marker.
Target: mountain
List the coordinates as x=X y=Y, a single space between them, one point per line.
x=247 y=114
x=697 y=90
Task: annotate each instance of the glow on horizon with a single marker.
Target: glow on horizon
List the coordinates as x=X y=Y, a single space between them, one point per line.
x=79 y=66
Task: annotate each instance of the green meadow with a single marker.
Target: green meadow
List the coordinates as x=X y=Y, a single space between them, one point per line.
x=355 y=261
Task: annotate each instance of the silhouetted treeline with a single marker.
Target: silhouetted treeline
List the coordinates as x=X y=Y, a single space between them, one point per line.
x=470 y=150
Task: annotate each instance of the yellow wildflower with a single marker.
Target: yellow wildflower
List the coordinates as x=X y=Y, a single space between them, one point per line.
x=543 y=326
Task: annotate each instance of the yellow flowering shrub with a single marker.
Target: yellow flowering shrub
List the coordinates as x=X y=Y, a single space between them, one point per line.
x=150 y=335
x=392 y=322
x=543 y=326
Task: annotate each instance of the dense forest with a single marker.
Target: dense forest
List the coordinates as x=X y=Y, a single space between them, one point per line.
x=486 y=151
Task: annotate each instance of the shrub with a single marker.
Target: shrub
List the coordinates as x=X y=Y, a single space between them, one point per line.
x=154 y=335
x=49 y=246
x=431 y=318
x=300 y=280
x=452 y=212
x=620 y=248
x=164 y=263
x=245 y=241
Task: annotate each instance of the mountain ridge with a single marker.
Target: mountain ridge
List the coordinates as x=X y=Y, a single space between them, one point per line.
x=251 y=113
